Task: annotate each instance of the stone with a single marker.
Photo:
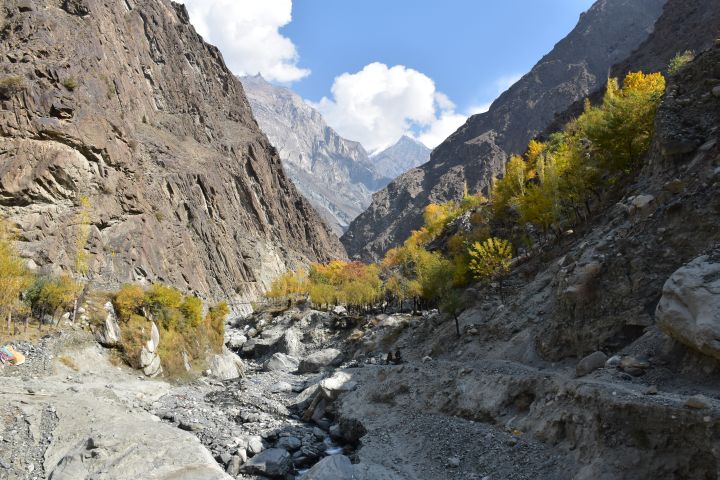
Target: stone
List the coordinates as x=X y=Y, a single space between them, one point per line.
x=716 y=91
x=280 y=362
x=273 y=462
x=254 y=445
x=234 y=339
x=340 y=382
x=317 y=361
x=289 y=443
x=642 y=204
x=154 y=341
x=339 y=310
x=154 y=368
x=613 y=361
x=651 y=390
x=233 y=467
x=291 y=342
x=590 y=363
x=242 y=454
x=453 y=462
x=305 y=398
x=281 y=387
x=633 y=366
x=226 y=366
x=689 y=309
x=334 y=467
x=697 y=402
x=109 y=333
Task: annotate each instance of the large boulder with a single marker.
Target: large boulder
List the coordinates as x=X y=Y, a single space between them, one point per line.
x=689 y=309
x=280 y=362
x=291 y=342
x=109 y=333
x=226 y=366
x=590 y=363
x=334 y=467
x=339 y=383
x=319 y=360
x=273 y=462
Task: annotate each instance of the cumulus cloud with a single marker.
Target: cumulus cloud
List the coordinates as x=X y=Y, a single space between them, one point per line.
x=379 y=104
x=247 y=33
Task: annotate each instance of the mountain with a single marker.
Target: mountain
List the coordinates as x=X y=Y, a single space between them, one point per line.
x=125 y=104
x=333 y=173
x=406 y=154
x=577 y=66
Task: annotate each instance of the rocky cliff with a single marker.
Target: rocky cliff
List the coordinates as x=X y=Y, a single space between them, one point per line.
x=122 y=102
x=605 y=35
x=333 y=173
x=397 y=159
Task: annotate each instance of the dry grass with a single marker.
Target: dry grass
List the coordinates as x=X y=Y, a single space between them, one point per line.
x=68 y=362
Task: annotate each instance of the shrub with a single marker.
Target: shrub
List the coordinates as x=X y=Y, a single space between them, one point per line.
x=127 y=301
x=14 y=277
x=490 y=259
x=70 y=83
x=191 y=309
x=680 y=60
x=10 y=86
x=51 y=295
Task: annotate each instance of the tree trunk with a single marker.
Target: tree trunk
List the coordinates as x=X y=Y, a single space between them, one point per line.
x=457 y=325
x=74 y=315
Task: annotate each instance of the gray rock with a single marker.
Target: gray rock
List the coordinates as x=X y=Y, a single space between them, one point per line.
x=319 y=360
x=233 y=467
x=254 y=445
x=334 y=467
x=689 y=309
x=716 y=91
x=289 y=443
x=697 y=402
x=234 y=339
x=280 y=362
x=226 y=366
x=109 y=333
x=291 y=342
x=633 y=366
x=154 y=368
x=281 y=387
x=590 y=363
x=273 y=462
x=613 y=361
x=340 y=382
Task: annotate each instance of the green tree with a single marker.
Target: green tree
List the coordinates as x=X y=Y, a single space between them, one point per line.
x=14 y=277
x=490 y=259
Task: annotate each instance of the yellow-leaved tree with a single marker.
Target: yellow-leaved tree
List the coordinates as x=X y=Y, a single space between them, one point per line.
x=14 y=277
x=490 y=259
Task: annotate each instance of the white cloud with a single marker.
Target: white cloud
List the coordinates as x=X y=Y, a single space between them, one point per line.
x=247 y=33
x=378 y=104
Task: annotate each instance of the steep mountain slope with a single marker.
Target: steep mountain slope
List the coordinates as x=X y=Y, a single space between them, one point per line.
x=335 y=174
x=123 y=102
x=477 y=152
x=406 y=154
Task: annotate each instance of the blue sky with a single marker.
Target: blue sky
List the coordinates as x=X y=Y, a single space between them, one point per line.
x=466 y=46
x=378 y=69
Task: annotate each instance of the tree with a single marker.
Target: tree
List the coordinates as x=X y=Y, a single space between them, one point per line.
x=14 y=277
x=453 y=304
x=490 y=259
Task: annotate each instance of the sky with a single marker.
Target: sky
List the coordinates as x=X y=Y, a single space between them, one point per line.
x=378 y=69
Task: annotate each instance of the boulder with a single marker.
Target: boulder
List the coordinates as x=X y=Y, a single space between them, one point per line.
x=109 y=334
x=339 y=383
x=334 y=467
x=289 y=443
x=590 y=363
x=254 y=444
x=234 y=339
x=291 y=342
x=305 y=398
x=689 y=309
x=154 y=341
x=273 y=462
x=697 y=402
x=226 y=366
x=154 y=368
x=280 y=362
x=319 y=360
x=633 y=366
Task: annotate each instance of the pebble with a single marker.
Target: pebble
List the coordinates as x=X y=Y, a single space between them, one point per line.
x=453 y=462
x=651 y=390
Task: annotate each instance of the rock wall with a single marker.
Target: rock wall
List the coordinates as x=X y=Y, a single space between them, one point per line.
x=477 y=152
x=122 y=102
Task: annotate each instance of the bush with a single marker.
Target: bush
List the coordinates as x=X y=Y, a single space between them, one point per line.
x=52 y=295
x=14 y=277
x=680 y=60
x=10 y=86
x=127 y=301
x=70 y=83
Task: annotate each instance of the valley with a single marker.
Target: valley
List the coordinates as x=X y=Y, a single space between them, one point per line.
x=201 y=278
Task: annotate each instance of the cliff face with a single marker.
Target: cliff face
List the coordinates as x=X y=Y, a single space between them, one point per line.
x=333 y=173
x=123 y=102
x=477 y=152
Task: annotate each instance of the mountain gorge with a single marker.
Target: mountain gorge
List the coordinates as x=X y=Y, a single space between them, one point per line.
x=333 y=173
x=122 y=103
x=476 y=153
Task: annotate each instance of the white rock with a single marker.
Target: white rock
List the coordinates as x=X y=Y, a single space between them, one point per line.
x=689 y=309
x=339 y=383
x=226 y=366
x=280 y=362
